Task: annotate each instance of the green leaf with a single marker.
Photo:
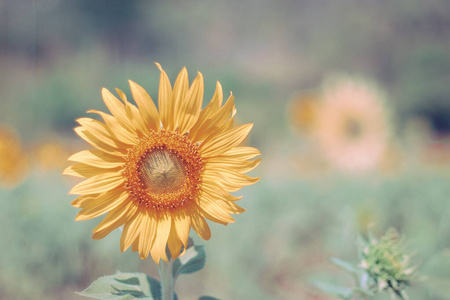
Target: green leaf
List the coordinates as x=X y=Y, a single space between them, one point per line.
x=343 y=293
x=124 y=286
x=345 y=265
x=192 y=261
x=207 y=298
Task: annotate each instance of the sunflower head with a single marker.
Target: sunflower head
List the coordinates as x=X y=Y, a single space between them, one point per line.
x=159 y=172
x=352 y=124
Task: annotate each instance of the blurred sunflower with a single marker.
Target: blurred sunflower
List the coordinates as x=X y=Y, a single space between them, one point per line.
x=159 y=173
x=352 y=125
x=50 y=155
x=13 y=159
x=302 y=112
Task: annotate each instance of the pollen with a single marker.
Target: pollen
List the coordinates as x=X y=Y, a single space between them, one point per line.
x=163 y=171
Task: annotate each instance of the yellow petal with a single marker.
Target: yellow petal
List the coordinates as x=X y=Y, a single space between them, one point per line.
x=211 y=185
x=114 y=219
x=216 y=123
x=101 y=205
x=146 y=106
x=220 y=163
x=218 y=144
x=200 y=226
x=100 y=131
x=81 y=201
x=207 y=204
x=231 y=207
x=86 y=171
x=147 y=234
x=117 y=109
x=130 y=231
x=182 y=225
x=116 y=130
x=164 y=100
x=97 y=159
x=208 y=112
x=243 y=153
x=231 y=181
x=97 y=143
x=133 y=114
x=190 y=108
x=98 y=184
x=158 y=250
x=174 y=243
x=135 y=245
x=180 y=89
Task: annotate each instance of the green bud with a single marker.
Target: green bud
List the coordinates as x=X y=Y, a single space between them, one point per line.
x=387 y=262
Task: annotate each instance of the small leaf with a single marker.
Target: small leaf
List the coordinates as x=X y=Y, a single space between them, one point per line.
x=345 y=265
x=207 y=298
x=124 y=286
x=192 y=261
x=344 y=293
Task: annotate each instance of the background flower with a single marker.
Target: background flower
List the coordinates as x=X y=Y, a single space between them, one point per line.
x=352 y=125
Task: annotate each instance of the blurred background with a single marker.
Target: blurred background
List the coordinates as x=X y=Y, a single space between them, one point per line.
x=351 y=105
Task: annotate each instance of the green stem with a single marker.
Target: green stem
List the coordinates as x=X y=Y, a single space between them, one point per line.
x=167 y=281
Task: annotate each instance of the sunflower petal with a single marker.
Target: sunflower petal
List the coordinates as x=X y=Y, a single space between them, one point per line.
x=164 y=100
x=218 y=144
x=98 y=184
x=192 y=105
x=217 y=123
x=130 y=232
x=174 y=243
x=212 y=107
x=114 y=219
x=102 y=204
x=100 y=131
x=86 y=171
x=219 y=163
x=98 y=143
x=242 y=153
x=146 y=106
x=117 y=109
x=158 y=250
x=97 y=159
x=180 y=89
x=200 y=226
x=81 y=201
x=115 y=129
x=182 y=225
x=133 y=114
x=209 y=205
x=213 y=188
x=147 y=234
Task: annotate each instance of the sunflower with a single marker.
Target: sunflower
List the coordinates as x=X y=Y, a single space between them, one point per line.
x=352 y=125
x=13 y=160
x=50 y=155
x=160 y=172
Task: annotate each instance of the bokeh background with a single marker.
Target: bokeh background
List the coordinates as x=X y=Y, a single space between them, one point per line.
x=277 y=57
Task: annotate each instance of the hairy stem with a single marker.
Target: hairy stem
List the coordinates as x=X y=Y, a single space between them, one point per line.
x=167 y=281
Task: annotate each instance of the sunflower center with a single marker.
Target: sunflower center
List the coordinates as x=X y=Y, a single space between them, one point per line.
x=163 y=171
x=353 y=128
